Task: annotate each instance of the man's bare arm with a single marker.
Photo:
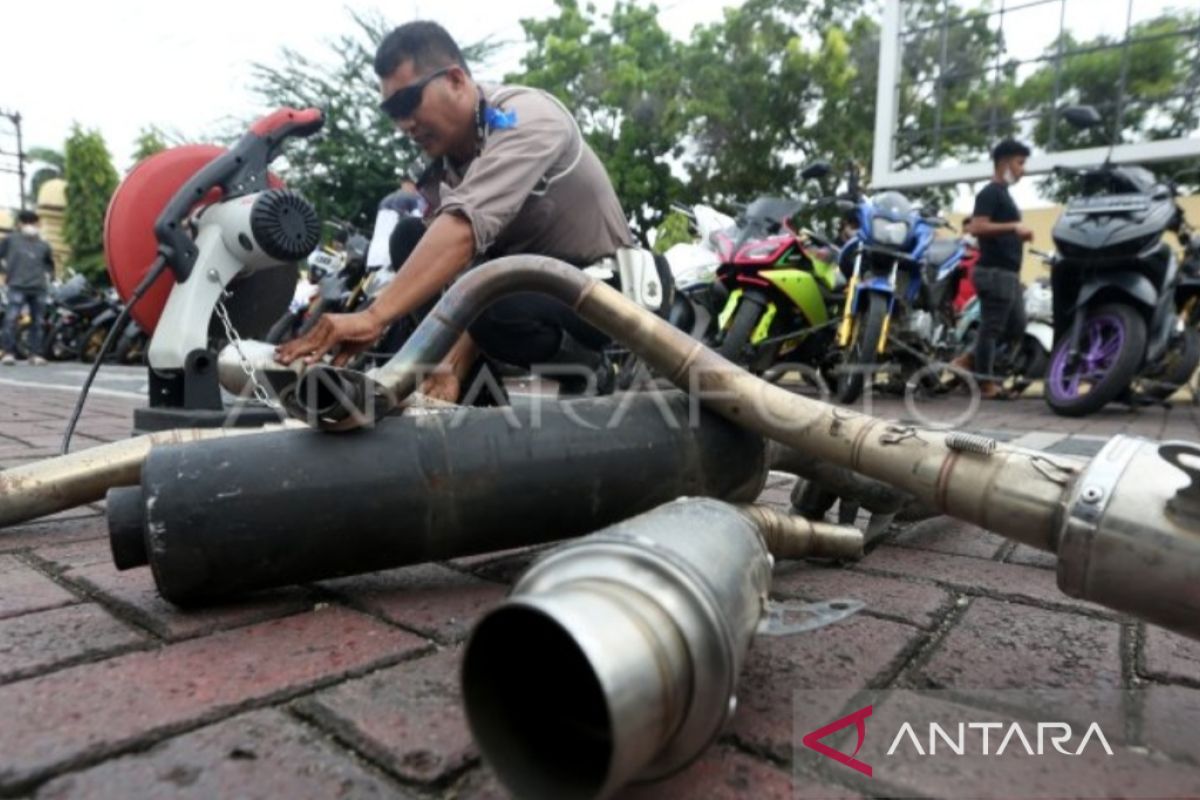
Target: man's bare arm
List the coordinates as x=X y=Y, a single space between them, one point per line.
x=443 y=252
x=984 y=228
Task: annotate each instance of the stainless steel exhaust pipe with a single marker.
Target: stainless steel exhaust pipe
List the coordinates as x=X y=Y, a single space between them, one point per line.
x=1027 y=496
x=616 y=657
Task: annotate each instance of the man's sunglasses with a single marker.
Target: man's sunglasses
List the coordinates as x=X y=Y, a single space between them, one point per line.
x=403 y=103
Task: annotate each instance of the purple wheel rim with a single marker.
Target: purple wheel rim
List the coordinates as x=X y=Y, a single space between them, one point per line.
x=1102 y=341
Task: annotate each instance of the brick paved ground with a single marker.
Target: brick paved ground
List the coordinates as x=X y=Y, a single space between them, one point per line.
x=348 y=688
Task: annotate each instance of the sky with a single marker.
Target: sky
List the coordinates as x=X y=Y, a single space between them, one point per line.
x=122 y=65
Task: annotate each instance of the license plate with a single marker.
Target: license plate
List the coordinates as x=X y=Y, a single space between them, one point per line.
x=1109 y=204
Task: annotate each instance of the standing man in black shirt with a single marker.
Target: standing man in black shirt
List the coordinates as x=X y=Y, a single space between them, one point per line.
x=996 y=223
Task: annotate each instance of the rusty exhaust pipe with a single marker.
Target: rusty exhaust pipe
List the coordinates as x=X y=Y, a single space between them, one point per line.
x=1125 y=525
x=637 y=635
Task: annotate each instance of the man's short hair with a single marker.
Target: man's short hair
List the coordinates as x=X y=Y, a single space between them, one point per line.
x=426 y=44
x=1007 y=149
x=27 y=217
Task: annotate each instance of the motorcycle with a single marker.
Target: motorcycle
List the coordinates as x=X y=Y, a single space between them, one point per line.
x=340 y=275
x=783 y=286
x=74 y=307
x=1020 y=363
x=899 y=275
x=1115 y=282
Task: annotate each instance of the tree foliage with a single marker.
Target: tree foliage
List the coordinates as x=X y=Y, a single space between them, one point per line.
x=91 y=181
x=150 y=140
x=358 y=157
x=620 y=76
x=735 y=109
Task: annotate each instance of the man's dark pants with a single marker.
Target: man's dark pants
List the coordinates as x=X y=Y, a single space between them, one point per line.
x=1001 y=314
x=17 y=300
x=521 y=329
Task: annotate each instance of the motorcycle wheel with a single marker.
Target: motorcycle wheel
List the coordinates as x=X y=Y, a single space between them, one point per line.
x=862 y=351
x=91 y=342
x=1181 y=361
x=1111 y=350
x=132 y=349
x=59 y=343
x=736 y=343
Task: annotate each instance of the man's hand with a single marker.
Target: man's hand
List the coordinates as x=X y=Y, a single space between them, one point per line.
x=354 y=332
x=1025 y=234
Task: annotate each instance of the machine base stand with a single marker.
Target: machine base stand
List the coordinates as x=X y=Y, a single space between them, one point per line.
x=248 y=415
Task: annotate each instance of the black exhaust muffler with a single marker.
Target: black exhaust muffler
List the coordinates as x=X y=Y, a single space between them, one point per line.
x=213 y=519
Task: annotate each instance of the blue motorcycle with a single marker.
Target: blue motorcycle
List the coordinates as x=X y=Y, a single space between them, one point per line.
x=899 y=276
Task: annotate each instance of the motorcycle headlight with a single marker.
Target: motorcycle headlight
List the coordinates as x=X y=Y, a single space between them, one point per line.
x=885 y=231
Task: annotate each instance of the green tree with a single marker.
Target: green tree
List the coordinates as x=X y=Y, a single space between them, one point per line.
x=150 y=140
x=358 y=157
x=91 y=181
x=619 y=74
x=1162 y=99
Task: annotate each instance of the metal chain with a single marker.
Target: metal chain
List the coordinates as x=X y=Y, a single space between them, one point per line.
x=260 y=392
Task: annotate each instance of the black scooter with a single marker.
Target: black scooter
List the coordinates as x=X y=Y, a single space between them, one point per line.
x=1119 y=336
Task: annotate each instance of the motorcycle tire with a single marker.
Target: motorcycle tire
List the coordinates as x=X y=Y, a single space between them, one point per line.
x=1182 y=360
x=59 y=343
x=863 y=349
x=92 y=340
x=132 y=349
x=1118 y=375
x=735 y=344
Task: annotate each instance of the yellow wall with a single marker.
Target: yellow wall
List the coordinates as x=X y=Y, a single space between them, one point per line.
x=1042 y=220
x=51 y=205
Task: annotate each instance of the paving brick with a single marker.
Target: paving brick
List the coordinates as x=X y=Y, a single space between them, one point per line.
x=408 y=717
x=910 y=601
x=1032 y=557
x=1169 y=715
x=133 y=592
x=836 y=660
x=471 y=562
x=976 y=576
x=262 y=755
x=722 y=773
x=92 y=710
x=1170 y=657
x=429 y=598
x=1000 y=645
x=25 y=589
x=82 y=553
x=36 y=642
x=947 y=535
x=507 y=569
x=42 y=533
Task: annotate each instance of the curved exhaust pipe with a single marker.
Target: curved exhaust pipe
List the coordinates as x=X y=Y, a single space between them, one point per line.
x=1125 y=525
x=616 y=657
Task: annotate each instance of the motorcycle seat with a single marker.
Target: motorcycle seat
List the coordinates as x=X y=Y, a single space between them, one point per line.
x=940 y=251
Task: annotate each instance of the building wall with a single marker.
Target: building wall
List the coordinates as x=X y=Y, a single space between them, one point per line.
x=51 y=206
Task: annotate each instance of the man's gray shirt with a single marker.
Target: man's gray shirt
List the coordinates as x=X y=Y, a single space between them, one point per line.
x=27 y=262
x=535 y=185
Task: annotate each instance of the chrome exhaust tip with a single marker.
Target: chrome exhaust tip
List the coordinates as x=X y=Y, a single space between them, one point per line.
x=616 y=657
